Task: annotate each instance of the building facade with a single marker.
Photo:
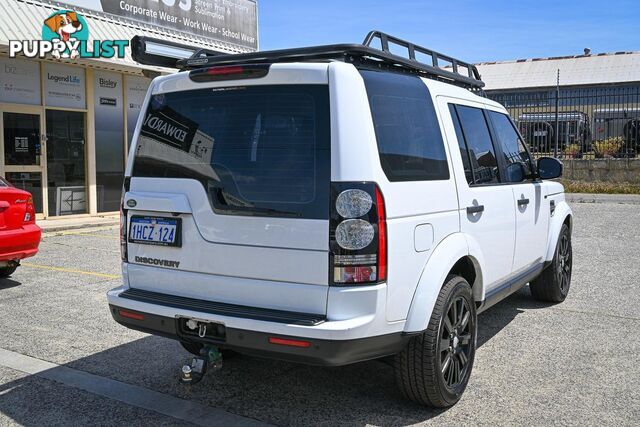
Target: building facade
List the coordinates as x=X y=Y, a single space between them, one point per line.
x=66 y=123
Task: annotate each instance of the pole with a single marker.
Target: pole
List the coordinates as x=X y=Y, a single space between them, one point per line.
x=555 y=149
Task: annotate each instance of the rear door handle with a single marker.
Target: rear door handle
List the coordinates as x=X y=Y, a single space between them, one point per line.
x=523 y=202
x=475 y=209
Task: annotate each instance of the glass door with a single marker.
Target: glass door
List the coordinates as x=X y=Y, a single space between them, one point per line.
x=66 y=162
x=23 y=156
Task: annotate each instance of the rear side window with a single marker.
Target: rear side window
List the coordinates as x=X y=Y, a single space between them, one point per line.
x=407 y=130
x=482 y=155
x=512 y=146
x=257 y=150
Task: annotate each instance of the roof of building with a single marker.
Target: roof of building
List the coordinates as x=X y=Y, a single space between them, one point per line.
x=579 y=70
x=22 y=20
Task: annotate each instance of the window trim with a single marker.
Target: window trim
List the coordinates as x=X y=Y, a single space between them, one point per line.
x=502 y=164
x=466 y=146
x=498 y=154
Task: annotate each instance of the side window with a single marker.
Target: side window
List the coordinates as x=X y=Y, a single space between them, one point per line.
x=512 y=146
x=462 y=145
x=482 y=155
x=410 y=142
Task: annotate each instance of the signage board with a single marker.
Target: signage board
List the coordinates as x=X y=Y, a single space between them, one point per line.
x=228 y=21
x=109 y=124
x=19 y=81
x=64 y=86
x=71 y=200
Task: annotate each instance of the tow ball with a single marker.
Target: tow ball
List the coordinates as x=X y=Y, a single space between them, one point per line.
x=194 y=370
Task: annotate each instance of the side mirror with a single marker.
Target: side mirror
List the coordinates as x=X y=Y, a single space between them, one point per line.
x=515 y=172
x=549 y=168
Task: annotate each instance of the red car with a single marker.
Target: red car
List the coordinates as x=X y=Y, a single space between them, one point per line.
x=19 y=234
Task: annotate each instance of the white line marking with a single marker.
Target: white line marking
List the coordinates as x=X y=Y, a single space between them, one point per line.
x=132 y=395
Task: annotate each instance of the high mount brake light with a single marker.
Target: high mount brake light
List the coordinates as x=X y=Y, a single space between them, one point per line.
x=358 y=234
x=236 y=72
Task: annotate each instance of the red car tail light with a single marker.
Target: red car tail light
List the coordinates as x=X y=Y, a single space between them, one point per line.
x=30 y=214
x=357 y=234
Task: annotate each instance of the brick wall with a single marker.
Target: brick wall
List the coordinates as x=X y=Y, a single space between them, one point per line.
x=609 y=170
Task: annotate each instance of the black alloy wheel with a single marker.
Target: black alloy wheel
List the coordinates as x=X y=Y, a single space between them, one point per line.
x=455 y=343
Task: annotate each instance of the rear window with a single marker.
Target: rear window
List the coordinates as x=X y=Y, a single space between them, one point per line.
x=257 y=150
x=409 y=139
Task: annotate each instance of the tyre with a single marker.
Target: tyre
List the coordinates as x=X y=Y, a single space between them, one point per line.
x=7 y=271
x=554 y=282
x=434 y=368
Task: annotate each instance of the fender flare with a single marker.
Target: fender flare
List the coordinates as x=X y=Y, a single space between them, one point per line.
x=448 y=252
x=560 y=214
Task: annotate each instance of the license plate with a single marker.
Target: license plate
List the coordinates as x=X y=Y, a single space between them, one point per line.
x=155 y=231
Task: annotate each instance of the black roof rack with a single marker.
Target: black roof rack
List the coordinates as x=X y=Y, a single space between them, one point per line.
x=437 y=66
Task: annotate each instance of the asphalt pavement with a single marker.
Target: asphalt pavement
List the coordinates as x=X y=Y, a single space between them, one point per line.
x=64 y=361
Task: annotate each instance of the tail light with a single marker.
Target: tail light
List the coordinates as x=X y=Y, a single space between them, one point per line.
x=123 y=221
x=30 y=214
x=358 y=234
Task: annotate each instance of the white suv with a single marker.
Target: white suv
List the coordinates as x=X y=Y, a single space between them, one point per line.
x=335 y=204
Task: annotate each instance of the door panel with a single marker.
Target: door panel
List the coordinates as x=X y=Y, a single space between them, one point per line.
x=493 y=229
x=532 y=212
x=532 y=224
x=487 y=208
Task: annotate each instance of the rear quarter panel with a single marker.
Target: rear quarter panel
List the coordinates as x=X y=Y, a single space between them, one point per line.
x=420 y=214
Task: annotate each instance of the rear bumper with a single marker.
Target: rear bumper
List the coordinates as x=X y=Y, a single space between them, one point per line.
x=19 y=243
x=319 y=352
x=354 y=330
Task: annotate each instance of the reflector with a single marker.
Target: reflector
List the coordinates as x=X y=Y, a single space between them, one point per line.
x=291 y=343
x=131 y=315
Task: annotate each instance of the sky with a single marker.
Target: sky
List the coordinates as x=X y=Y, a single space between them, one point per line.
x=474 y=31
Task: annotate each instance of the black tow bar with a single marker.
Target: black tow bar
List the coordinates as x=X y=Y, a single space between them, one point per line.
x=194 y=370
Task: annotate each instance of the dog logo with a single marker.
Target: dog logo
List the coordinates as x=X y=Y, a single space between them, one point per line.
x=65 y=35
x=68 y=27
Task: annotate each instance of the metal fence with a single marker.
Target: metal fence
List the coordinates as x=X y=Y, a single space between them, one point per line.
x=600 y=122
